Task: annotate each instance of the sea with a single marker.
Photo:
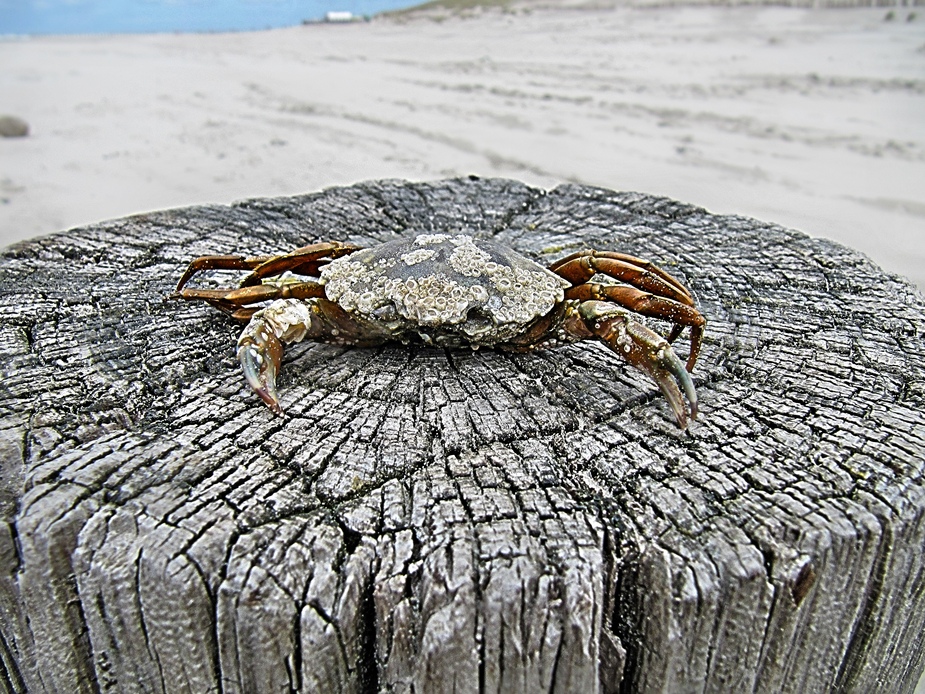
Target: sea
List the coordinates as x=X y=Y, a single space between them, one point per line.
x=35 y=17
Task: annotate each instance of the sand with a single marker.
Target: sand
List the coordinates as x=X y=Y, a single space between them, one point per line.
x=814 y=119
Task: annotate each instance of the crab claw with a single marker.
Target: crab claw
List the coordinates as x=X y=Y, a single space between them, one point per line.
x=652 y=354
x=647 y=351
x=260 y=347
x=260 y=352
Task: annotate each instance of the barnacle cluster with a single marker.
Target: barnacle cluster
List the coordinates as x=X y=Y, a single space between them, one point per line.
x=418 y=256
x=432 y=299
x=519 y=294
x=428 y=239
x=438 y=279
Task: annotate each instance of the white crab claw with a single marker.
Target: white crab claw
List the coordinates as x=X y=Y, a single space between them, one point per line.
x=260 y=347
x=260 y=353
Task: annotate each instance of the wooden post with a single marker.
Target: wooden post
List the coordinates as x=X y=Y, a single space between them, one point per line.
x=428 y=520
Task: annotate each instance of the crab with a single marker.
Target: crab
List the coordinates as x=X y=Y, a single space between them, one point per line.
x=454 y=290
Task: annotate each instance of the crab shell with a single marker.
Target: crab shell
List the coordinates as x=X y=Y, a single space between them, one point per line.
x=445 y=289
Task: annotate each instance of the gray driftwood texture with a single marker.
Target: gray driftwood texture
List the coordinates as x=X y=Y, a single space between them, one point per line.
x=433 y=521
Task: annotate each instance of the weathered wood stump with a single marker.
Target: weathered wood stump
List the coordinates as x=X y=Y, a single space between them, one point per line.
x=427 y=520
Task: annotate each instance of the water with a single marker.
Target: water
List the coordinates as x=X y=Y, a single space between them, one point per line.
x=146 y=16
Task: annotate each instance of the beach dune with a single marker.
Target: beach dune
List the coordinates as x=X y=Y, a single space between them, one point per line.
x=808 y=118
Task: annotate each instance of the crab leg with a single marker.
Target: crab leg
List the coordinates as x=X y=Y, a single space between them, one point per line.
x=237 y=302
x=302 y=261
x=647 y=304
x=219 y=262
x=580 y=267
x=645 y=350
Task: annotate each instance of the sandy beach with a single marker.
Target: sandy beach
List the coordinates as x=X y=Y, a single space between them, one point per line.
x=814 y=119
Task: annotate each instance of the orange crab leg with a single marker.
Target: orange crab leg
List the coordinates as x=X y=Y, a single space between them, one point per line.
x=236 y=302
x=219 y=262
x=581 y=267
x=302 y=261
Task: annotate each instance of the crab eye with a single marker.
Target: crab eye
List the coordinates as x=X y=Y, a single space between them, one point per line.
x=477 y=318
x=385 y=313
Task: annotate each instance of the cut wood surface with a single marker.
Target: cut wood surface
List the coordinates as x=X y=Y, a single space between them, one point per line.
x=429 y=520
